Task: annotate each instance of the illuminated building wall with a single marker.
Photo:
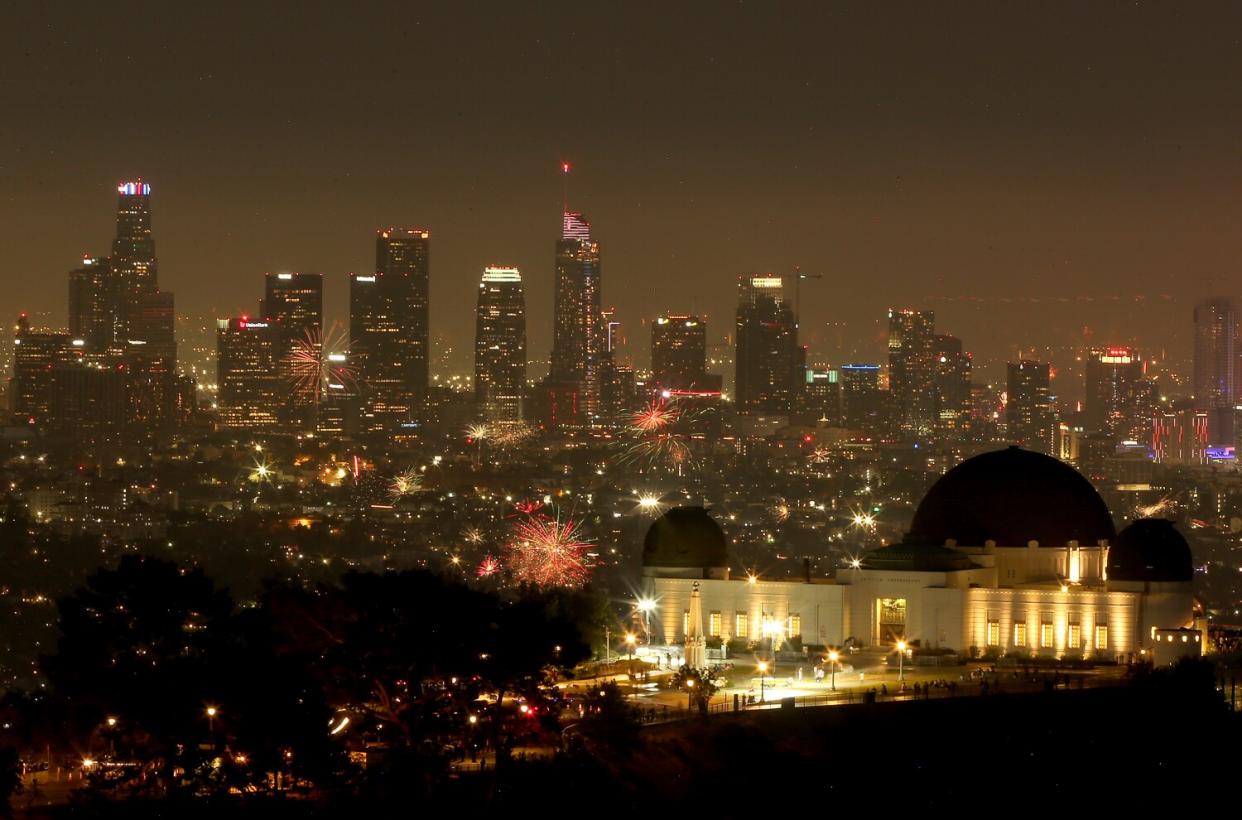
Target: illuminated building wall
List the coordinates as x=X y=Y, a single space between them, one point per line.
x=249 y=390
x=861 y=399
x=952 y=383
x=36 y=354
x=1029 y=414
x=679 y=353
x=389 y=327
x=90 y=315
x=1215 y=373
x=768 y=376
x=1119 y=399
x=579 y=343
x=500 y=344
x=912 y=369
x=1180 y=436
x=293 y=305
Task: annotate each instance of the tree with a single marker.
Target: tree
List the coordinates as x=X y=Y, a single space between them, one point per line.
x=10 y=779
x=698 y=685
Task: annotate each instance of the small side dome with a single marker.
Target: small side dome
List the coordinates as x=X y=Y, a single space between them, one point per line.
x=1150 y=549
x=685 y=538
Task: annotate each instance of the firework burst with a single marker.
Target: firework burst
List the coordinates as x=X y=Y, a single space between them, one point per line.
x=478 y=432
x=654 y=417
x=489 y=566
x=509 y=434
x=528 y=507
x=1164 y=505
x=320 y=361
x=779 y=511
x=472 y=535
x=548 y=552
x=665 y=448
x=405 y=483
x=820 y=455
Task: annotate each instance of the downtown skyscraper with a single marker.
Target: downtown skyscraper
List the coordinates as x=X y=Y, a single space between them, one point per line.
x=500 y=345
x=768 y=364
x=1216 y=362
x=679 y=354
x=122 y=374
x=912 y=370
x=1029 y=412
x=389 y=328
x=293 y=306
x=579 y=339
x=1120 y=400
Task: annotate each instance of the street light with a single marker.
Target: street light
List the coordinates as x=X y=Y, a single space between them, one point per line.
x=832 y=658
x=211 y=719
x=630 y=640
x=690 y=693
x=647 y=606
x=901 y=660
x=763 y=671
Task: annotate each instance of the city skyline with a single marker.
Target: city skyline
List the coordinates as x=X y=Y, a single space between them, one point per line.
x=931 y=207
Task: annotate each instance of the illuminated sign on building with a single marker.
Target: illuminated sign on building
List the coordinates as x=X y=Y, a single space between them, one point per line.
x=134 y=188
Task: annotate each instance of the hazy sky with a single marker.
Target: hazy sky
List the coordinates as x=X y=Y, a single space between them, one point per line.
x=967 y=158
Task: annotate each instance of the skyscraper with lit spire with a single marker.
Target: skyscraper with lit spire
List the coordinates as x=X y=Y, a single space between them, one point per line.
x=578 y=338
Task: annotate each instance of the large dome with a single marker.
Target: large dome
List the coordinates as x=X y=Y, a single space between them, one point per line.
x=1150 y=549
x=1012 y=496
x=685 y=538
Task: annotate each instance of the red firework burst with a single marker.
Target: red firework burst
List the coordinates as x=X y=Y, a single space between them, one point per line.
x=489 y=566
x=548 y=552
x=528 y=507
x=654 y=417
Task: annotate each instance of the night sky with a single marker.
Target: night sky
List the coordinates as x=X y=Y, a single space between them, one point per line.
x=967 y=158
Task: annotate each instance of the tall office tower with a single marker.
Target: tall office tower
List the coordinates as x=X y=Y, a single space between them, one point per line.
x=912 y=369
x=1119 y=399
x=249 y=391
x=134 y=269
x=293 y=306
x=952 y=380
x=767 y=373
x=388 y=328
x=500 y=344
x=90 y=317
x=293 y=303
x=1216 y=377
x=861 y=402
x=403 y=263
x=36 y=356
x=821 y=394
x=579 y=343
x=1029 y=413
x=679 y=353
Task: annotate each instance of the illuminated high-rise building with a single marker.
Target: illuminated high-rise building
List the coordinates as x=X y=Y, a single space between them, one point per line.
x=579 y=343
x=249 y=390
x=679 y=354
x=389 y=327
x=952 y=381
x=36 y=355
x=1120 y=400
x=912 y=370
x=861 y=399
x=293 y=303
x=293 y=306
x=1029 y=412
x=90 y=311
x=767 y=362
x=500 y=344
x=1215 y=377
